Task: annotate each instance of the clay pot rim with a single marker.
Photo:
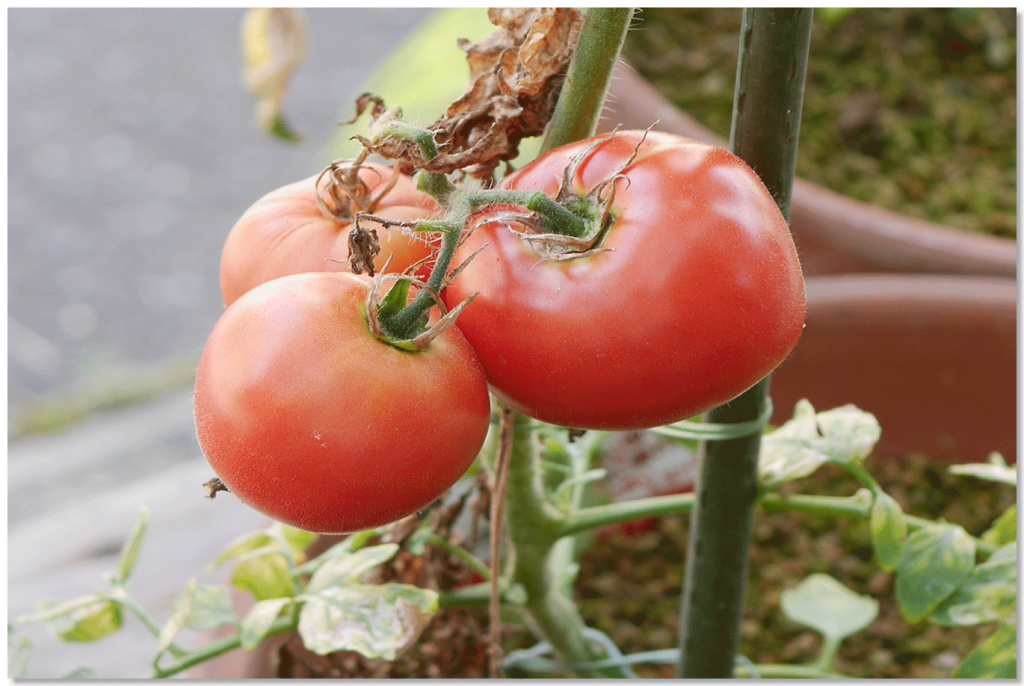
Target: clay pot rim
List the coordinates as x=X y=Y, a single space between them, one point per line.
x=954 y=289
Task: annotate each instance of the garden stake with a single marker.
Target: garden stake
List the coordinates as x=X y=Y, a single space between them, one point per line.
x=766 y=121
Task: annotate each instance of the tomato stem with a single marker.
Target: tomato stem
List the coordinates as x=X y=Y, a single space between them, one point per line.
x=586 y=83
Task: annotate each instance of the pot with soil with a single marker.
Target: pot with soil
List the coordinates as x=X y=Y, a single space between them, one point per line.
x=927 y=187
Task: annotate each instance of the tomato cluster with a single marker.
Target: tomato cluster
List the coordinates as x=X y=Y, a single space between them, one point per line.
x=688 y=293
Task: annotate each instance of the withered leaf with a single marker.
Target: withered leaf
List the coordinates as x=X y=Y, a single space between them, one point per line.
x=516 y=75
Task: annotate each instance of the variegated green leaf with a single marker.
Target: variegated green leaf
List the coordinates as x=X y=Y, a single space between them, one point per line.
x=888 y=531
x=988 y=595
x=378 y=622
x=936 y=561
x=808 y=440
x=259 y=621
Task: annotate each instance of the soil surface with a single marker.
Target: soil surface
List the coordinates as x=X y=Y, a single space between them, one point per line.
x=912 y=109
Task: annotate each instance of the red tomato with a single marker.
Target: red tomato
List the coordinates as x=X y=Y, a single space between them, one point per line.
x=285 y=232
x=698 y=296
x=308 y=418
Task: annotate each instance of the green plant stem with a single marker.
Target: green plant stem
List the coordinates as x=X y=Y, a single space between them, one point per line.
x=216 y=649
x=586 y=83
x=766 y=120
x=402 y=324
x=541 y=558
x=828 y=653
x=461 y=553
x=598 y=516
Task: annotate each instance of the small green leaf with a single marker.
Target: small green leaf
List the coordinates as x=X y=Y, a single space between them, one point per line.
x=249 y=542
x=88 y=623
x=851 y=433
x=266 y=576
x=133 y=546
x=1004 y=529
x=996 y=658
x=378 y=622
x=936 y=561
x=825 y=605
x=888 y=531
x=17 y=655
x=988 y=595
x=180 y=609
x=995 y=470
x=259 y=620
x=808 y=440
x=211 y=608
x=346 y=569
x=297 y=540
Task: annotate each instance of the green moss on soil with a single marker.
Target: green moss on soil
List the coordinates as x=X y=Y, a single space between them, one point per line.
x=914 y=110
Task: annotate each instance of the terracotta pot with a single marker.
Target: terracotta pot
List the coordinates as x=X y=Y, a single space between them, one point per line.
x=932 y=357
x=833 y=233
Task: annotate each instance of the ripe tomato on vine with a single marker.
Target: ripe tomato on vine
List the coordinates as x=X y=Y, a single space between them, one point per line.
x=309 y=418
x=686 y=291
x=304 y=227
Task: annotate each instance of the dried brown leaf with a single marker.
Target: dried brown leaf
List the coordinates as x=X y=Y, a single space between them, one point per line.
x=516 y=75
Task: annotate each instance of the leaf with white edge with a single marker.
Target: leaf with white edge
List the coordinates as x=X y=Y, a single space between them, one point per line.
x=379 y=622
x=17 y=655
x=259 y=621
x=347 y=568
x=888 y=531
x=180 y=608
x=995 y=469
x=996 y=658
x=808 y=440
x=133 y=546
x=988 y=595
x=851 y=433
x=89 y=622
x=936 y=561
x=1004 y=529
x=211 y=608
x=825 y=605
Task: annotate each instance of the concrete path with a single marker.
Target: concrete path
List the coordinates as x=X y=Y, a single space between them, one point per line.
x=131 y=153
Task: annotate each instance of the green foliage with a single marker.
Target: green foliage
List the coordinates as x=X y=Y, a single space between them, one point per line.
x=844 y=436
x=996 y=658
x=825 y=605
x=888 y=531
x=937 y=559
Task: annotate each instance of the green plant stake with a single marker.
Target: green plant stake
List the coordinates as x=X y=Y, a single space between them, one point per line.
x=766 y=121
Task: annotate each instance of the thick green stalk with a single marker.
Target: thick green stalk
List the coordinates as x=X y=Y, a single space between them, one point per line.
x=586 y=83
x=542 y=558
x=766 y=120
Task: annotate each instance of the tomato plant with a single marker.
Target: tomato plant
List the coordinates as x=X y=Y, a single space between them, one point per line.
x=696 y=295
x=286 y=231
x=310 y=419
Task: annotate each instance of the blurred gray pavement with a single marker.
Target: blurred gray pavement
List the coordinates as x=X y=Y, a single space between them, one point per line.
x=131 y=152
